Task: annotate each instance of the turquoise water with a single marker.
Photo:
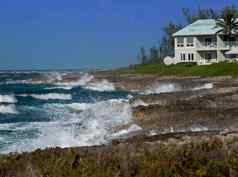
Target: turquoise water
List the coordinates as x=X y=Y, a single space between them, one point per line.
x=65 y=109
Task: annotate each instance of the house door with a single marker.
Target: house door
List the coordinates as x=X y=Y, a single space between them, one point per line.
x=208 y=56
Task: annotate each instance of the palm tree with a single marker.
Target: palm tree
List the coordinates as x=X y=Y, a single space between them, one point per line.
x=228 y=23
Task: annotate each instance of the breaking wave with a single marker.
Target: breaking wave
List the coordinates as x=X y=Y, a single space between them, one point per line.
x=49 y=96
x=162 y=88
x=205 y=86
x=101 y=86
x=86 y=81
x=54 y=76
x=59 y=87
x=173 y=87
x=132 y=128
x=7 y=99
x=93 y=125
x=86 y=78
x=8 y=109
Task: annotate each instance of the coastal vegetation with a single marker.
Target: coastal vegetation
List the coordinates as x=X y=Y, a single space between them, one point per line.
x=182 y=69
x=228 y=23
x=200 y=156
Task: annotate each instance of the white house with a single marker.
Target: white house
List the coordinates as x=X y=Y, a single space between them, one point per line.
x=201 y=42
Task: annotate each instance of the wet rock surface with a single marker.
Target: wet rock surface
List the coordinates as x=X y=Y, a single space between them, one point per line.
x=206 y=109
x=196 y=104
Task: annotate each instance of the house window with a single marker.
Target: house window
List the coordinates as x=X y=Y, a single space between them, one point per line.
x=208 y=41
x=182 y=56
x=192 y=57
x=190 y=41
x=180 y=42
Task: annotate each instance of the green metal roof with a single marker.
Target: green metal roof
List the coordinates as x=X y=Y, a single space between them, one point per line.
x=200 y=27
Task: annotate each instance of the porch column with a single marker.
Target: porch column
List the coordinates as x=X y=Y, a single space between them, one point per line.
x=220 y=55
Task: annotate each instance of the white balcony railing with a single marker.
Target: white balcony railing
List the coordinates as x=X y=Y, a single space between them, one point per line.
x=233 y=44
x=213 y=45
x=208 y=45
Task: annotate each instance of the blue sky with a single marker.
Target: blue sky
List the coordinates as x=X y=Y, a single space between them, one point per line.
x=63 y=34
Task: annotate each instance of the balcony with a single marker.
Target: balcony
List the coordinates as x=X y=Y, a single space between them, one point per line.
x=207 y=45
x=225 y=45
x=231 y=44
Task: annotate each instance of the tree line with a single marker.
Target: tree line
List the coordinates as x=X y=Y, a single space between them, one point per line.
x=157 y=53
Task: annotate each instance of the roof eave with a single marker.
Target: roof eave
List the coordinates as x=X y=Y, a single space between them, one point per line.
x=178 y=35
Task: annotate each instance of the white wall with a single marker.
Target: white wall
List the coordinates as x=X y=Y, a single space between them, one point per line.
x=185 y=50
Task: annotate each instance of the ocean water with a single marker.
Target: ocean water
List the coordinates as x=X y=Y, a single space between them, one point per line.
x=59 y=109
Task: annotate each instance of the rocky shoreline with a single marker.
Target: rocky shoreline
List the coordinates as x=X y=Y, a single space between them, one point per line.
x=183 y=103
x=189 y=128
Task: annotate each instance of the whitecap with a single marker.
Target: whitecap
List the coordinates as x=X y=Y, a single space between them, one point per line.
x=91 y=126
x=129 y=96
x=49 y=96
x=86 y=78
x=205 y=86
x=59 y=87
x=7 y=99
x=199 y=129
x=54 y=76
x=80 y=106
x=8 y=109
x=86 y=81
x=101 y=86
x=131 y=129
x=139 y=102
x=162 y=88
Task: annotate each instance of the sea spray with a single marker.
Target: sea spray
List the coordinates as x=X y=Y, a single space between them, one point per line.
x=8 y=109
x=49 y=96
x=8 y=99
x=204 y=86
x=77 y=124
x=103 y=85
x=158 y=88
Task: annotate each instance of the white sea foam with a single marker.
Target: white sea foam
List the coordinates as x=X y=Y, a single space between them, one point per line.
x=101 y=86
x=49 y=96
x=199 y=129
x=59 y=87
x=80 y=106
x=54 y=76
x=8 y=109
x=129 y=96
x=7 y=99
x=172 y=87
x=162 y=88
x=205 y=86
x=91 y=126
x=132 y=128
x=86 y=78
x=68 y=85
x=44 y=78
x=152 y=133
x=139 y=102
x=86 y=81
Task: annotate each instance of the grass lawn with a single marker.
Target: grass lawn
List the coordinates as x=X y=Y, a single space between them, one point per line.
x=220 y=69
